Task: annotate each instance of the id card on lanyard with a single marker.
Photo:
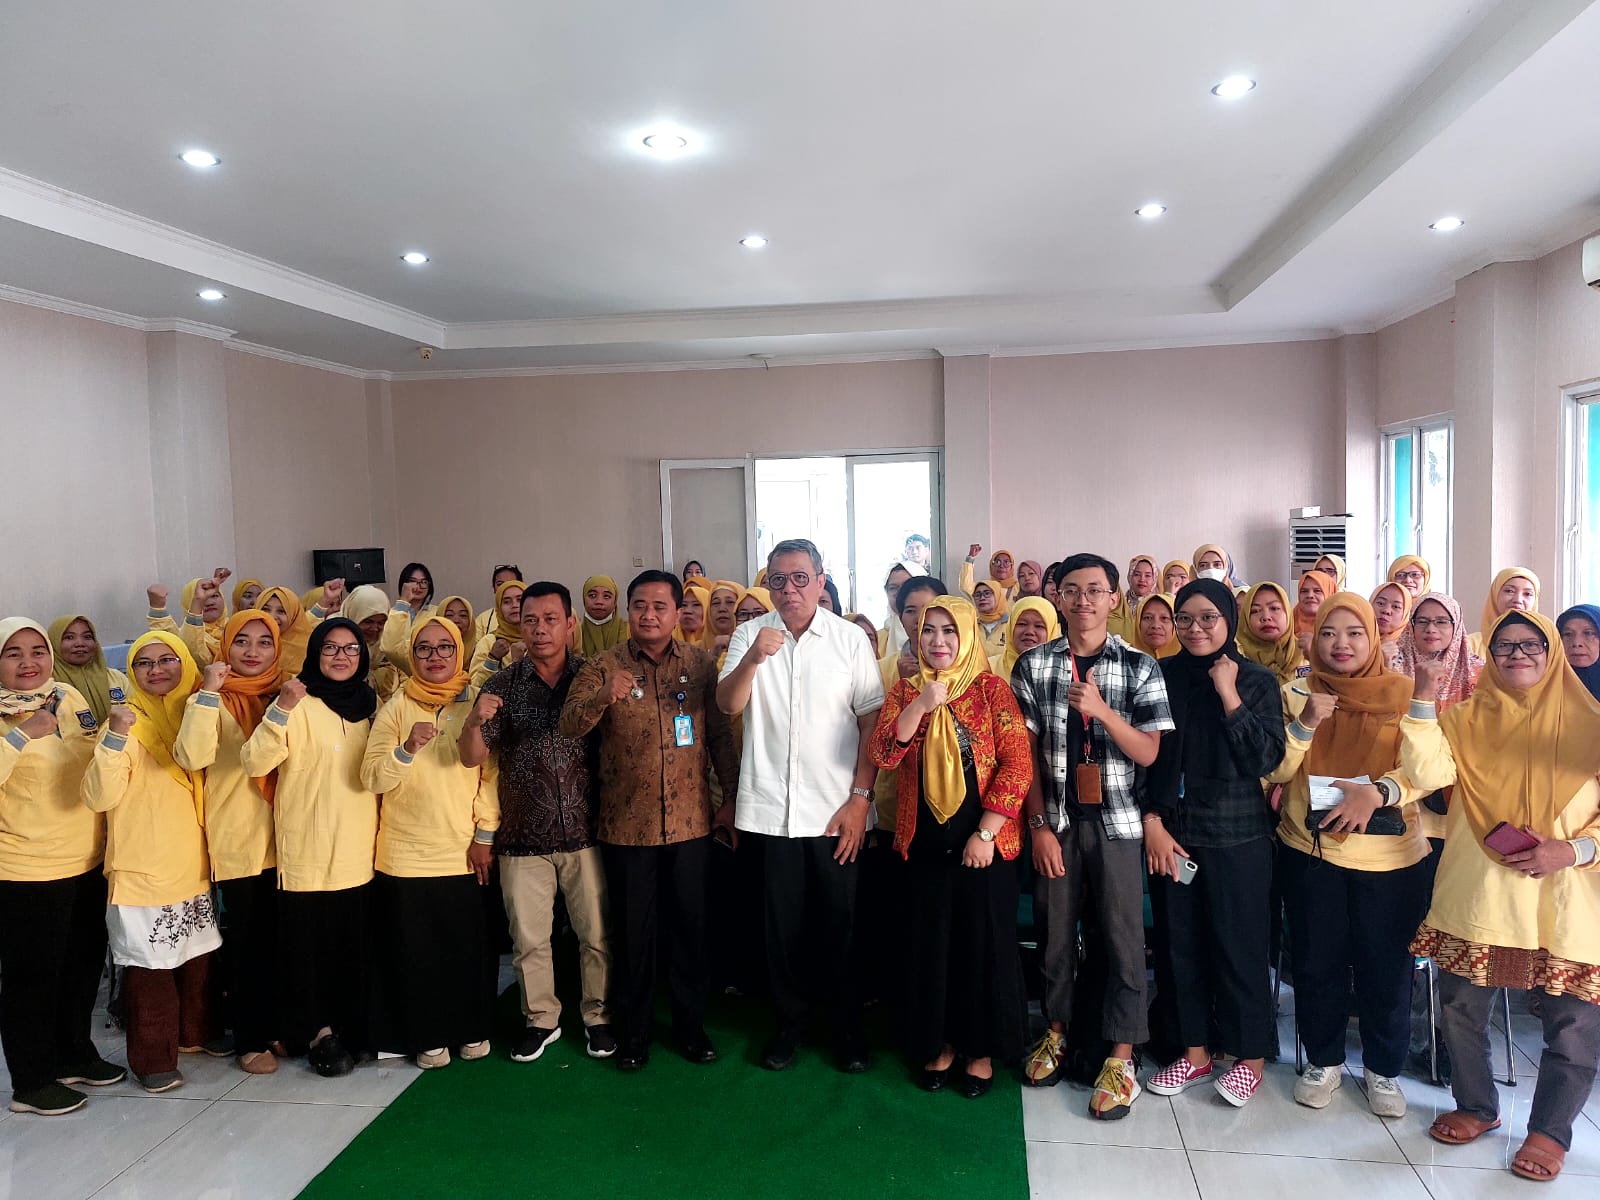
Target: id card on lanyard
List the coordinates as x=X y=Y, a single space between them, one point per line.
x=1087 y=776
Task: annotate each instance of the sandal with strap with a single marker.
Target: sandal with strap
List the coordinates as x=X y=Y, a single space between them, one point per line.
x=1545 y=1153
x=1458 y=1128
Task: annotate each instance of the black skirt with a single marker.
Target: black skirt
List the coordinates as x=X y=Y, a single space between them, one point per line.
x=323 y=951
x=432 y=984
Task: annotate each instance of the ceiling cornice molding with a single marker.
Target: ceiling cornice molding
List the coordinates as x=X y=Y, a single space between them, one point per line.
x=1194 y=342
x=306 y=360
x=195 y=328
x=71 y=308
x=45 y=206
x=755 y=362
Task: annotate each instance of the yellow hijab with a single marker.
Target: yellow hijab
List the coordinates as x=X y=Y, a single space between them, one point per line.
x=92 y=680
x=703 y=636
x=363 y=602
x=1052 y=623
x=599 y=636
x=438 y=695
x=500 y=627
x=1002 y=605
x=1227 y=563
x=157 y=718
x=471 y=616
x=1172 y=647
x=1411 y=560
x=1010 y=580
x=239 y=590
x=1522 y=754
x=1188 y=571
x=721 y=585
x=1338 y=570
x=1282 y=657
x=213 y=629
x=292 y=641
x=944 y=785
x=759 y=594
x=1362 y=737
x=1491 y=611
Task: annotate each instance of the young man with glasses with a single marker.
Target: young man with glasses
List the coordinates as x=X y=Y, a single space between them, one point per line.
x=810 y=690
x=1095 y=709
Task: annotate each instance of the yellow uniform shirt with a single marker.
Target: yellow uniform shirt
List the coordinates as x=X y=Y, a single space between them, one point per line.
x=238 y=818
x=192 y=630
x=1359 y=851
x=483 y=666
x=432 y=805
x=1477 y=897
x=155 y=848
x=45 y=831
x=325 y=822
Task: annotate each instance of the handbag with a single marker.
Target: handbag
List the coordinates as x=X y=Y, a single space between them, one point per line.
x=1386 y=822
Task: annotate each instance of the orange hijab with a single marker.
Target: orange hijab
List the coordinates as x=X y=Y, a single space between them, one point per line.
x=437 y=695
x=247 y=698
x=1362 y=736
x=1302 y=623
x=293 y=640
x=1491 y=609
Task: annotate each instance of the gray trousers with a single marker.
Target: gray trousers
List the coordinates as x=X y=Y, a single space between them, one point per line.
x=1566 y=1068
x=1113 y=873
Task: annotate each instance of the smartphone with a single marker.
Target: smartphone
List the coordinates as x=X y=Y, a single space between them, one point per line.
x=1187 y=869
x=1505 y=838
x=721 y=837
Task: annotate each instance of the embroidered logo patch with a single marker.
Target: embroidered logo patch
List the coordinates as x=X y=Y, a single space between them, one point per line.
x=117 y=696
x=86 y=719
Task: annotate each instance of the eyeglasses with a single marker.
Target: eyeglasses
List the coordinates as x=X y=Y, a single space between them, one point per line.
x=1190 y=620
x=776 y=583
x=329 y=650
x=166 y=661
x=1408 y=577
x=1073 y=593
x=1425 y=624
x=1532 y=648
x=428 y=652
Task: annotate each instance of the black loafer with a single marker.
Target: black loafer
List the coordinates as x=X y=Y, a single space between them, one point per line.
x=972 y=1087
x=933 y=1081
x=779 y=1052
x=635 y=1056
x=697 y=1048
x=853 y=1056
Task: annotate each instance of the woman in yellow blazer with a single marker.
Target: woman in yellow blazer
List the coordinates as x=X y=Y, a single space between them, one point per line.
x=325 y=825
x=52 y=891
x=490 y=653
x=295 y=621
x=217 y=721
x=368 y=607
x=161 y=918
x=81 y=665
x=435 y=984
x=1520 y=756
x=1515 y=589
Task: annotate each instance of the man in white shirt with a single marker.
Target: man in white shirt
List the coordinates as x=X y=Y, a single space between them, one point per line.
x=810 y=690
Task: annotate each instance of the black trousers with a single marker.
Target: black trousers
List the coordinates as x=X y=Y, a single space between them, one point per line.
x=324 y=949
x=52 y=953
x=810 y=904
x=249 y=959
x=880 y=950
x=1212 y=962
x=428 y=935
x=1341 y=920
x=645 y=883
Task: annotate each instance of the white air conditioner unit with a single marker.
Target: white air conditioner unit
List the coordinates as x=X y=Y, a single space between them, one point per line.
x=1312 y=537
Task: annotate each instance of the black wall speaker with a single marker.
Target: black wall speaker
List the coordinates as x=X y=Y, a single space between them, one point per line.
x=353 y=566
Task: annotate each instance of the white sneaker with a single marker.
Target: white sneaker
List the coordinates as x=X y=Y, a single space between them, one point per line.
x=1316 y=1087
x=1384 y=1095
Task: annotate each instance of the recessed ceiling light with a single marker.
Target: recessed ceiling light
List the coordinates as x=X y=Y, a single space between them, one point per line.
x=200 y=158
x=414 y=257
x=1150 y=211
x=754 y=241
x=666 y=141
x=211 y=294
x=1447 y=224
x=1234 y=86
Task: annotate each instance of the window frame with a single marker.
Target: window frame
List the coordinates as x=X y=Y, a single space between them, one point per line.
x=1580 y=402
x=1417 y=431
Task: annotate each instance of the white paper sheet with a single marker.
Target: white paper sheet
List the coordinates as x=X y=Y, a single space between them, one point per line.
x=1325 y=796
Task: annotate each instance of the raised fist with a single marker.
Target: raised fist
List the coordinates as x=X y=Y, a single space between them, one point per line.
x=122 y=719
x=422 y=733
x=212 y=677
x=1319 y=707
x=293 y=692
x=486 y=709
x=767 y=642
x=157 y=594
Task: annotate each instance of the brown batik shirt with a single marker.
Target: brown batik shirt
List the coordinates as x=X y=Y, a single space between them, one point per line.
x=654 y=792
x=547 y=779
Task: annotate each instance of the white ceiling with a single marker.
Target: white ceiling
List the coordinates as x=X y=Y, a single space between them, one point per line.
x=933 y=177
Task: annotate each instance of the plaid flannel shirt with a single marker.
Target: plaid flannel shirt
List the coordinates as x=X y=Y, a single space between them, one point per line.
x=1132 y=686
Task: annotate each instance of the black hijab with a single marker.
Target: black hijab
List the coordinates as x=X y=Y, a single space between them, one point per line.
x=1201 y=750
x=1589 y=675
x=353 y=699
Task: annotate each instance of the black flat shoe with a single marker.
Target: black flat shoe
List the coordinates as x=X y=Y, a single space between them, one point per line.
x=853 y=1055
x=635 y=1056
x=933 y=1081
x=972 y=1087
x=697 y=1048
x=779 y=1052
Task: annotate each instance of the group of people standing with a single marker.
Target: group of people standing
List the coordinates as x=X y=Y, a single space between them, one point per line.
x=350 y=786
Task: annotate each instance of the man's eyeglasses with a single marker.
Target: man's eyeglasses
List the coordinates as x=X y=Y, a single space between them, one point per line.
x=776 y=583
x=1190 y=620
x=166 y=662
x=1530 y=649
x=1073 y=593
x=429 y=652
x=329 y=650
x=1426 y=624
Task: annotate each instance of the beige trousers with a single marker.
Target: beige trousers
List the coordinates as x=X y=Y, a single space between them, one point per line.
x=529 y=884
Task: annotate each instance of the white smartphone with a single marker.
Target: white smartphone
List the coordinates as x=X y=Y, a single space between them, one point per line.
x=1187 y=869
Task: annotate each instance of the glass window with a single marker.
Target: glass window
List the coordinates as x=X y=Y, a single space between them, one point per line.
x=1581 y=577
x=1417 y=473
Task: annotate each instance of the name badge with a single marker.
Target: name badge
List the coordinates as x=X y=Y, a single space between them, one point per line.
x=683 y=730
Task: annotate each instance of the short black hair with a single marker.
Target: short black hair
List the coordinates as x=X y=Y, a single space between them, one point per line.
x=547 y=587
x=666 y=577
x=516 y=571
x=406 y=571
x=917 y=537
x=1086 y=562
x=693 y=562
x=833 y=594
x=916 y=584
x=1052 y=574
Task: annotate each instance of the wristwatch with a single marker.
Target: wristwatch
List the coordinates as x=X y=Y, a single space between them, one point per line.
x=1036 y=821
x=864 y=793
x=986 y=835
x=1390 y=792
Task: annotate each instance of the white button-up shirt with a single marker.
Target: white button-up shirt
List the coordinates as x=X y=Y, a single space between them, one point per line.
x=800 y=731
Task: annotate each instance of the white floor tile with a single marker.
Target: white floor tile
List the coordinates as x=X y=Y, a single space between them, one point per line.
x=204 y=1077
x=1061 y=1114
x=1066 y=1171
x=1267 y=1177
x=1468 y=1183
x=1272 y=1123
x=242 y=1152
x=1492 y=1150
x=371 y=1084
x=70 y=1157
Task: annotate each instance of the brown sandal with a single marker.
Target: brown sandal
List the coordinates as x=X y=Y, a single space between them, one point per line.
x=1458 y=1128
x=1546 y=1153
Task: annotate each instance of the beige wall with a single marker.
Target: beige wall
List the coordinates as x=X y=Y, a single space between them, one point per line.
x=560 y=472
x=1160 y=451
x=1416 y=366
x=80 y=520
